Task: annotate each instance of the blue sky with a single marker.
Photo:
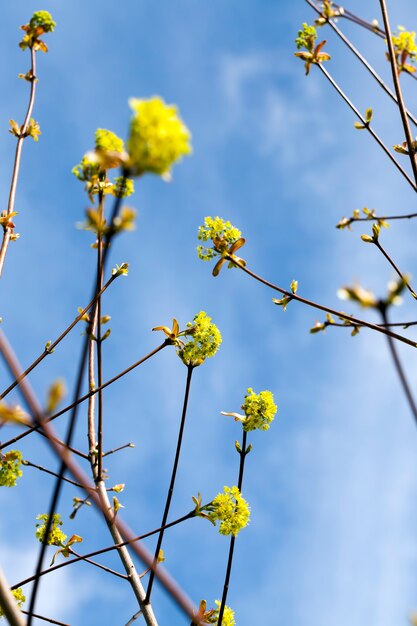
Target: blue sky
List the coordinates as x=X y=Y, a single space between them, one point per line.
x=333 y=484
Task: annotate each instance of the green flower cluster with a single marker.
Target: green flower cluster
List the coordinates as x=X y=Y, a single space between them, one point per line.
x=18 y=596
x=56 y=537
x=203 y=340
x=231 y=510
x=157 y=138
x=10 y=471
x=260 y=410
x=221 y=233
x=306 y=37
x=405 y=49
x=41 y=22
x=107 y=141
x=92 y=170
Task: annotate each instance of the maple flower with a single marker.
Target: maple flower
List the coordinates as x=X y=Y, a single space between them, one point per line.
x=231 y=510
x=226 y=240
x=56 y=537
x=157 y=139
x=10 y=471
x=41 y=22
x=203 y=340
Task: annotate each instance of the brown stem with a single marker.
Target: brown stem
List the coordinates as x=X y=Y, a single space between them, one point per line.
x=81 y=398
x=99 y=565
x=53 y=345
x=45 y=619
x=397 y=86
x=395 y=267
x=170 y=585
x=320 y=307
x=126 y=445
x=17 y=158
x=367 y=126
x=399 y=368
x=190 y=369
x=47 y=471
x=361 y=58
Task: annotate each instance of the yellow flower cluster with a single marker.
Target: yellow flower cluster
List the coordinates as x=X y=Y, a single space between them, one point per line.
x=260 y=410
x=231 y=510
x=158 y=137
x=10 y=471
x=204 y=339
x=41 y=22
x=221 y=233
x=56 y=537
x=18 y=596
x=228 y=615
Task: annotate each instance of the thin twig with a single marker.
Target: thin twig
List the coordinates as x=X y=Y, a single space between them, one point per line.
x=242 y=454
x=398 y=91
x=53 y=345
x=47 y=471
x=367 y=126
x=170 y=585
x=395 y=267
x=320 y=307
x=99 y=565
x=82 y=398
x=126 y=445
x=399 y=368
x=83 y=557
x=362 y=59
x=134 y=618
x=45 y=619
x=190 y=369
x=16 y=167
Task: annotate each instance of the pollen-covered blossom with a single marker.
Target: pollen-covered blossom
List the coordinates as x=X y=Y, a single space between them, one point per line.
x=56 y=537
x=221 y=233
x=10 y=471
x=260 y=410
x=231 y=510
x=158 y=137
x=18 y=596
x=204 y=339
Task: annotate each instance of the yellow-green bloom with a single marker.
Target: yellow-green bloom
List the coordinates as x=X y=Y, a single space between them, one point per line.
x=157 y=139
x=405 y=48
x=231 y=510
x=10 y=471
x=56 y=537
x=18 y=596
x=107 y=141
x=123 y=187
x=41 y=22
x=204 y=339
x=260 y=410
x=226 y=239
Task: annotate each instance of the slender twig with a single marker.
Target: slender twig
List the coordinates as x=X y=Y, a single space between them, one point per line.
x=378 y=218
x=45 y=619
x=399 y=367
x=398 y=91
x=395 y=267
x=83 y=557
x=82 y=398
x=362 y=59
x=134 y=618
x=47 y=471
x=126 y=445
x=190 y=369
x=16 y=167
x=320 y=307
x=367 y=126
x=170 y=585
x=99 y=350
x=99 y=565
x=53 y=345
x=242 y=453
